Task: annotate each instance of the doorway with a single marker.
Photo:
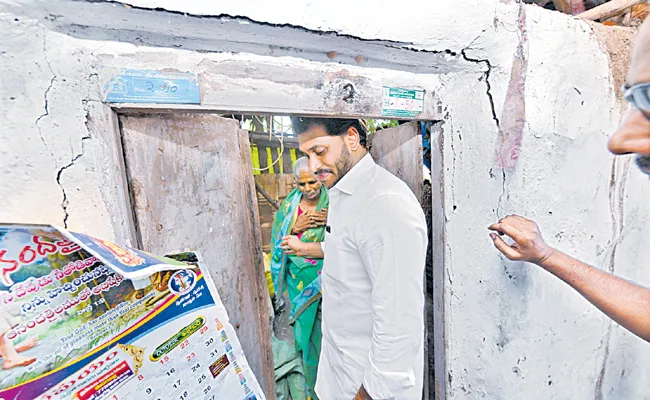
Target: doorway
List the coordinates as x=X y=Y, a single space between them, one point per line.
x=204 y=181
x=400 y=146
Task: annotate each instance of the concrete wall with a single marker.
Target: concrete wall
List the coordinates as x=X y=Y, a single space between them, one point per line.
x=527 y=98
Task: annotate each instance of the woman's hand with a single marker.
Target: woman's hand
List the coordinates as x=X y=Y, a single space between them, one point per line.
x=303 y=222
x=291 y=245
x=319 y=217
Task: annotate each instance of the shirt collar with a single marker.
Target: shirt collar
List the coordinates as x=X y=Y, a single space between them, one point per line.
x=356 y=176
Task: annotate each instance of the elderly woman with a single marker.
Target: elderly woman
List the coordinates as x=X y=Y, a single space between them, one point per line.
x=303 y=214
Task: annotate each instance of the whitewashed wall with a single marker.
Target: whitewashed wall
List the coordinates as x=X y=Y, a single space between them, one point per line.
x=511 y=331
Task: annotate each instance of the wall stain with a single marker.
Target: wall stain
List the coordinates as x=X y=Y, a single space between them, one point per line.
x=513 y=117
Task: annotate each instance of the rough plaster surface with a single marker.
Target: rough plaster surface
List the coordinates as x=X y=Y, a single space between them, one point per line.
x=511 y=331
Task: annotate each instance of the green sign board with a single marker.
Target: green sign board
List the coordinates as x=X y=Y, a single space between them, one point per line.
x=397 y=102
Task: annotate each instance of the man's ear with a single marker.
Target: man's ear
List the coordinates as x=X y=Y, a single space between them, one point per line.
x=353 y=139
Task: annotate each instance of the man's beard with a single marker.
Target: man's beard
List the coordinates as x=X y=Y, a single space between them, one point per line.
x=643 y=162
x=343 y=164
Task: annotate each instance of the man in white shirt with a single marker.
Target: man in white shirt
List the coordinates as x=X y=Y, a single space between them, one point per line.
x=372 y=279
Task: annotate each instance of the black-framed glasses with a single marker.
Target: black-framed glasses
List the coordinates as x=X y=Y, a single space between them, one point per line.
x=638 y=96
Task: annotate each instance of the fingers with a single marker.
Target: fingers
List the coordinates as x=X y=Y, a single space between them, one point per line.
x=504 y=248
x=512 y=225
x=519 y=217
x=505 y=227
x=318 y=217
x=286 y=245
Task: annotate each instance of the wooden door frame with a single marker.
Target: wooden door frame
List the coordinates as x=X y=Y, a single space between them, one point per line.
x=433 y=112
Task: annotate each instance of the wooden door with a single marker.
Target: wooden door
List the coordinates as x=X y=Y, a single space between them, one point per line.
x=191 y=183
x=399 y=150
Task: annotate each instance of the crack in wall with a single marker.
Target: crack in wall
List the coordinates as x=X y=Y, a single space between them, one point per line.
x=486 y=76
x=502 y=195
x=243 y=18
x=46 y=105
x=616 y=206
x=387 y=42
x=224 y=17
x=409 y=47
x=601 y=375
x=64 y=203
x=617 y=213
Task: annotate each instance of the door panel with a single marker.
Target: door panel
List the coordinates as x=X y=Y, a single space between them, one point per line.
x=399 y=150
x=190 y=180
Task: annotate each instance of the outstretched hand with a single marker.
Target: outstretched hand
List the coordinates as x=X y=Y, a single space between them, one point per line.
x=528 y=242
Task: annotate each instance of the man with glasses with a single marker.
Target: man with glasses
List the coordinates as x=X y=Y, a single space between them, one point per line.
x=625 y=302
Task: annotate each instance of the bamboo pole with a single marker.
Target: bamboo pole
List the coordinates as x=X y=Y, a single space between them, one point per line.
x=266 y=196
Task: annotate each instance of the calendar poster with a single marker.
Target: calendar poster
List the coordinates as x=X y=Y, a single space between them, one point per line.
x=83 y=319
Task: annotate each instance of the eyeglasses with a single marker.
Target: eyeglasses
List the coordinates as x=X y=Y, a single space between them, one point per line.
x=639 y=96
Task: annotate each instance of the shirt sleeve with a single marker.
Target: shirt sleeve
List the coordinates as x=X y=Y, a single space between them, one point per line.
x=393 y=250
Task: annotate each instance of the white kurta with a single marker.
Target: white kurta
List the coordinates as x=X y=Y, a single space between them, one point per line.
x=372 y=284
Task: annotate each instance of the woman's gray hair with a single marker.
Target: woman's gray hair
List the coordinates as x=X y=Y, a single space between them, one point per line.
x=301 y=164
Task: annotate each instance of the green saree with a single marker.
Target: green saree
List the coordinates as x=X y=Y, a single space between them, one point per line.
x=301 y=278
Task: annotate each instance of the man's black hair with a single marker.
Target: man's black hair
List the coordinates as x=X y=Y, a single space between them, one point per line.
x=333 y=126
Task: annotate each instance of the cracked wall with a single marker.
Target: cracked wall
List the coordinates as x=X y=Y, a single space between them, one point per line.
x=51 y=161
x=510 y=330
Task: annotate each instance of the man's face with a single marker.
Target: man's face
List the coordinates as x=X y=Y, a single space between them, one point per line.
x=634 y=135
x=329 y=156
x=309 y=185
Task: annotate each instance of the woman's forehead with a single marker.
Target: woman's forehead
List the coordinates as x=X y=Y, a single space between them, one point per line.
x=306 y=174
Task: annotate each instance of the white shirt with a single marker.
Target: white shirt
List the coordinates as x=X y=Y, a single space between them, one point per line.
x=372 y=285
